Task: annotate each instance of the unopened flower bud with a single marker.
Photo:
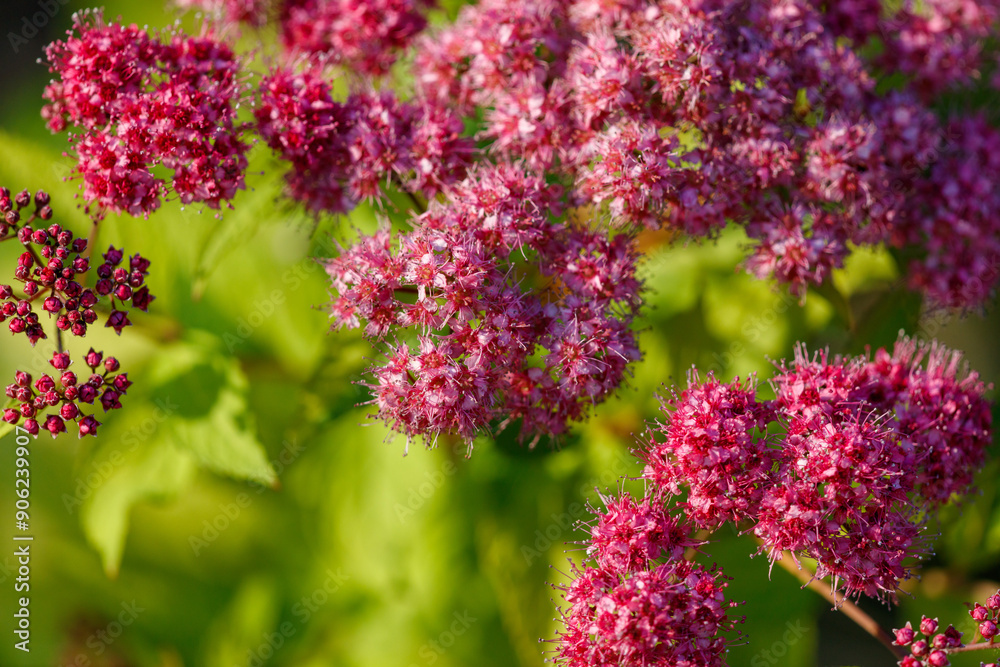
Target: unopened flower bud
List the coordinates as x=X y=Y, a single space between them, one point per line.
x=938 y=659
x=60 y=361
x=55 y=425
x=88 y=426
x=69 y=411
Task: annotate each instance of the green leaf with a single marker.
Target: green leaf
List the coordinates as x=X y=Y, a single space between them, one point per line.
x=155 y=470
x=207 y=392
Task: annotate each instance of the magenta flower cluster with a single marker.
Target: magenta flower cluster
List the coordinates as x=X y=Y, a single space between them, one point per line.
x=844 y=466
x=344 y=152
x=638 y=601
x=137 y=102
x=689 y=116
x=364 y=36
x=509 y=313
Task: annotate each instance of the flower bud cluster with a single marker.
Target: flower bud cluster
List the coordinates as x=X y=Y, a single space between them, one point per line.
x=51 y=402
x=52 y=272
x=932 y=649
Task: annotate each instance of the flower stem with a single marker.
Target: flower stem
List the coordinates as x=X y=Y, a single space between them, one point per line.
x=91 y=242
x=981 y=646
x=419 y=205
x=851 y=610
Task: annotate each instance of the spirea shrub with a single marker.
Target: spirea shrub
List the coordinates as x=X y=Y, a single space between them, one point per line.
x=768 y=115
x=518 y=153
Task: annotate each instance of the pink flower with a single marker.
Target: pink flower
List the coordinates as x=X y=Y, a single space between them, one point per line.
x=845 y=466
x=628 y=535
x=342 y=153
x=492 y=349
x=672 y=614
x=709 y=445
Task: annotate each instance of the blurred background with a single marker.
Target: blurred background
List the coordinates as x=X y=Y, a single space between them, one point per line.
x=244 y=510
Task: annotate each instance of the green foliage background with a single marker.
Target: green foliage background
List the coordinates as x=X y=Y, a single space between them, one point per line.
x=243 y=500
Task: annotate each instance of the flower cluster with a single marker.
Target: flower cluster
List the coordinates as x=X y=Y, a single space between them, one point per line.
x=342 y=152
x=52 y=271
x=760 y=113
x=954 y=219
x=65 y=395
x=509 y=313
x=363 y=35
x=125 y=285
x=844 y=466
x=627 y=606
x=138 y=102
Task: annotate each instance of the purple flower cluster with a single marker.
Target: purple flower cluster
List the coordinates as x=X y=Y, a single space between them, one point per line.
x=362 y=35
x=762 y=113
x=627 y=606
x=342 y=152
x=65 y=395
x=139 y=102
x=844 y=466
x=52 y=271
x=509 y=313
